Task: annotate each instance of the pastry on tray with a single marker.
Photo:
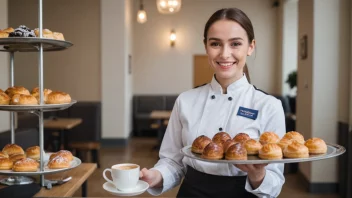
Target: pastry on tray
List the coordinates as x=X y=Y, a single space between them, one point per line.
x=293 y=135
x=22 y=31
x=4 y=99
x=25 y=165
x=58 y=162
x=15 y=157
x=21 y=99
x=200 y=143
x=46 y=33
x=252 y=146
x=241 y=137
x=316 y=146
x=5 y=164
x=296 y=150
x=270 y=151
x=64 y=153
x=33 y=152
x=268 y=137
x=35 y=93
x=213 y=151
x=228 y=143
x=11 y=149
x=16 y=90
x=58 y=97
x=58 y=36
x=236 y=152
x=221 y=137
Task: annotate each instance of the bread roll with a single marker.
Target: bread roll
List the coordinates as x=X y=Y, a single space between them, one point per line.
x=236 y=152
x=4 y=99
x=4 y=34
x=270 y=151
x=64 y=153
x=5 y=164
x=16 y=90
x=58 y=36
x=3 y=155
x=316 y=146
x=296 y=150
x=21 y=99
x=58 y=97
x=221 y=138
x=35 y=93
x=227 y=144
x=241 y=137
x=8 y=30
x=252 y=146
x=15 y=157
x=11 y=149
x=25 y=165
x=213 y=151
x=46 y=33
x=284 y=142
x=269 y=137
x=58 y=162
x=293 y=135
x=200 y=143
x=33 y=152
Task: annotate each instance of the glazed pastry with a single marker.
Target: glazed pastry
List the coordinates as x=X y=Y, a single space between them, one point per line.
x=213 y=151
x=21 y=99
x=3 y=155
x=296 y=150
x=252 y=146
x=58 y=162
x=16 y=90
x=241 y=137
x=270 y=151
x=284 y=142
x=316 y=146
x=227 y=144
x=33 y=152
x=11 y=149
x=269 y=137
x=22 y=31
x=221 y=137
x=46 y=33
x=200 y=143
x=4 y=99
x=8 y=30
x=58 y=36
x=58 y=97
x=35 y=93
x=25 y=165
x=15 y=157
x=293 y=135
x=64 y=153
x=4 y=34
x=5 y=164
x=236 y=152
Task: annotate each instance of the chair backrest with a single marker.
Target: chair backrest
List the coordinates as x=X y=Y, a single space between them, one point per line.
x=170 y=102
x=285 y=103
x=146 y=104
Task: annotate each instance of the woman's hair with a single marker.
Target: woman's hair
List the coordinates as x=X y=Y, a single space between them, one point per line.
x=233 y=14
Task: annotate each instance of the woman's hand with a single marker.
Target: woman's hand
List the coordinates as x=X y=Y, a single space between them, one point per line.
x=255 y=173
x=152 y=177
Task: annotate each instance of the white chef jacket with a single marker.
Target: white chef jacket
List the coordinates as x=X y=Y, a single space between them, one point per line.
x=206 y=111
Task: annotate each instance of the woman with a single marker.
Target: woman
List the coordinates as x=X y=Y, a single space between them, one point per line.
x=215 y=107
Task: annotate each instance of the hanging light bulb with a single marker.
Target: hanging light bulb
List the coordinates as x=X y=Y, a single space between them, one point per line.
x=172 y=38
x=141 y=14
x=168 y=6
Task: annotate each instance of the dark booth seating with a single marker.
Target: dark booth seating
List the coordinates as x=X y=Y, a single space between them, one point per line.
x=24 y=137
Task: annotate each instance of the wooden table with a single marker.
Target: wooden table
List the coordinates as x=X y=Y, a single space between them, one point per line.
x=79 y=176
x=63 y=125
x=161 y=117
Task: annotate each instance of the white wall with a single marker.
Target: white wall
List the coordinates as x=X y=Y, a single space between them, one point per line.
x=161 y=69
x=4 y=67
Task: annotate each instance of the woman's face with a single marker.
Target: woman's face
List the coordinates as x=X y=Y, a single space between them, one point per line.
x=227 y=47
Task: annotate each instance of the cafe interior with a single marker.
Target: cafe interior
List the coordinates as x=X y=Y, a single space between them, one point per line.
x=129 y=61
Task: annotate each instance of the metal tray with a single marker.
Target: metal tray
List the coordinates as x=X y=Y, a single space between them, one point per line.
x=31 y=44
x=73 y=164
x=334 y=150
x=44 y=108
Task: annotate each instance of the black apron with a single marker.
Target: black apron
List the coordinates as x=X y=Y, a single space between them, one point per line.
x=198 y=184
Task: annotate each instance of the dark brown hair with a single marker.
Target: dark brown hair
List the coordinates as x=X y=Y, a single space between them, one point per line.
x=233 y=14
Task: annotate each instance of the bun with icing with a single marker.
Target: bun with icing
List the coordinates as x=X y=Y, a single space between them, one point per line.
x=200 y=143
x=213 y=151
x=236 y=152
x=296 y=150
x=5 y=164
x=270 y=151
x=221 y=138
x=11 y=149
x=316 y=146
x=252 y=146
x=16 y=90
x=59 y=162
x=241 y=137
x=4 y=99
x=58 y=97
x=25 y=165
x=293 y=135
x=21 y=99
x=63 y=153
x=269 y=137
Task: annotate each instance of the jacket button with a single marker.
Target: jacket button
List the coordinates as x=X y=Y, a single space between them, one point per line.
x=230 y=98
x=213 y=97
x=220 y=129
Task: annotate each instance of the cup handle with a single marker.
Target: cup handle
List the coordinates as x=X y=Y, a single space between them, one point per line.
x=106 y=178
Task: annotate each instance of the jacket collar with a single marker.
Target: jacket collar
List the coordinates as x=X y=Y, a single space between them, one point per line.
x=235 y=86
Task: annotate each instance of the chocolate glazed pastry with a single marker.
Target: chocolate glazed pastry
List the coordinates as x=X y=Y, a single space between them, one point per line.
x=22 y=31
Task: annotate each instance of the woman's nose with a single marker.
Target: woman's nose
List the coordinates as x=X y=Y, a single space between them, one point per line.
x=225 y=52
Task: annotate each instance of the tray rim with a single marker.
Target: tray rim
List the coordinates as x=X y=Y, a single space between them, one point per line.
x=55 y=45
x=338 y=150
x=44 y=107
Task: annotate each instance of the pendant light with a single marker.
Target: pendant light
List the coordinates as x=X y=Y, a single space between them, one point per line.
x=141 y=14
x=168 y=6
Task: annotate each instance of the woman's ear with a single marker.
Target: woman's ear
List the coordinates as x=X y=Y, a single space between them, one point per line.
x=251 y=48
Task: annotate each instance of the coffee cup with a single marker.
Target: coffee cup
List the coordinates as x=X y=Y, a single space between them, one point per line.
x=124 y=176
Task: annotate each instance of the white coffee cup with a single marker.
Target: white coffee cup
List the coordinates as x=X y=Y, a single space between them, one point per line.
x=124 y=176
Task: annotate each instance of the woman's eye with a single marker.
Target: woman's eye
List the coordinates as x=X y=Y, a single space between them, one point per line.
x=215 y=44
x=236 y=44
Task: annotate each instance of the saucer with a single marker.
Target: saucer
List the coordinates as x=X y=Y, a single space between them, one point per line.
x=141 y=187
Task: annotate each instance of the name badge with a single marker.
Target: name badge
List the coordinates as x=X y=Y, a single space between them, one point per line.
x=248 y=113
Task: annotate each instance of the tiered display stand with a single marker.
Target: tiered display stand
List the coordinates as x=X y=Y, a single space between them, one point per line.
x=39 y=44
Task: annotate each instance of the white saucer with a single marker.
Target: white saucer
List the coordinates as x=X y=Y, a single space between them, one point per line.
x=141 y=187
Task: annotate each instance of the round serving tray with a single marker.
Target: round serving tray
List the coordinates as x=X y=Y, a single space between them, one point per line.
x=334 y=150
x=31 y=44
x=73 y=164
x=44 y=108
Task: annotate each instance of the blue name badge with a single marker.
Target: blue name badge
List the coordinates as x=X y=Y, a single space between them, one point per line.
x=248 y=113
